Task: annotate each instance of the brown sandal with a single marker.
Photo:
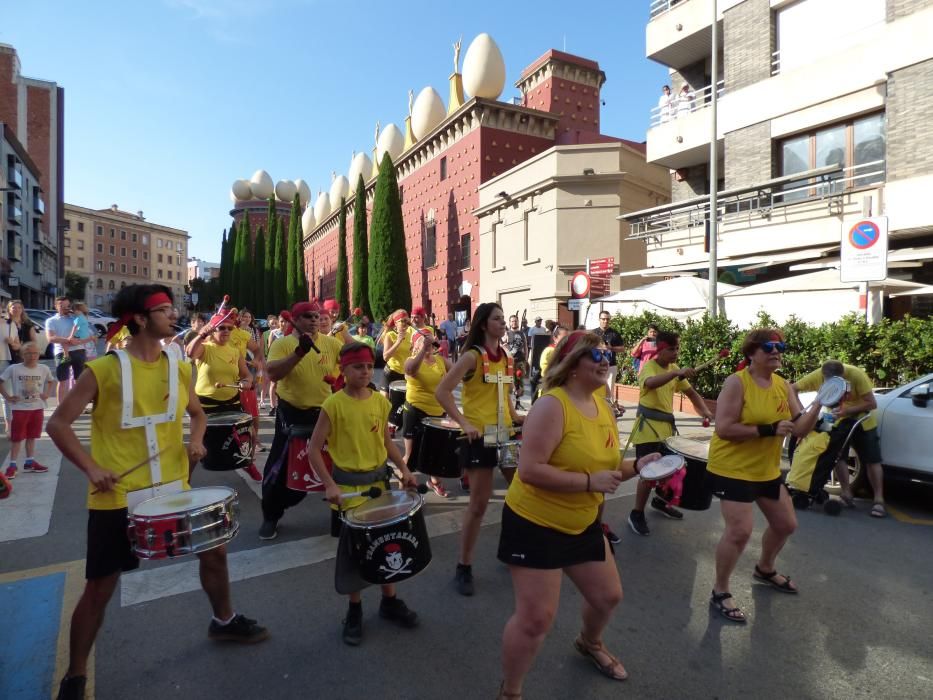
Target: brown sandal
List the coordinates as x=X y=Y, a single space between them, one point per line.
x=506 y=696
x=591 y=649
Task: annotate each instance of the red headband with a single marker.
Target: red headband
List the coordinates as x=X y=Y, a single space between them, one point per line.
x=571 y=341
x=359 y=355
x=304 y=307
x=219 y=318
x=663 y=345
x=399 y=315
x=331 y=305
x=418 y=311
x=150 y=302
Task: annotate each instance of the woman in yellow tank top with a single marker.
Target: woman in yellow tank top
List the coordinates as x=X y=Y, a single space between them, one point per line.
x=550 y=524
x=396 y=347
x=423 y=372
x=754 y=413
x=482 y=356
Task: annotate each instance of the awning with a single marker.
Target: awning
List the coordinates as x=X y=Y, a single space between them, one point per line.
x=743 y=262
x=4 y=294
x=900 y=258
x=915 y=292
x=818 y=281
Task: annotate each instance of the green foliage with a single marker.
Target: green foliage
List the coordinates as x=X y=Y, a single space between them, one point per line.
x=292 y=247
x=389 y=283
x=892 y=352
x=258 y=306
x=342 y=294
x=301 y=277
x=268 y=295
x=360 y=251
x=243 y=264
x=75 y=285
x=209 y=293
x=281 y=267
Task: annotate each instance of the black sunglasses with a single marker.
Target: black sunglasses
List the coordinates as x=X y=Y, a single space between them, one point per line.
x=772 y=345
x=311 y=316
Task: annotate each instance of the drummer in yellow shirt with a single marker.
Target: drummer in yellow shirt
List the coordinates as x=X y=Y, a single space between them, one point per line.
x=658 y=381
x=148 y=312
x=396 y=348
x=354 y=424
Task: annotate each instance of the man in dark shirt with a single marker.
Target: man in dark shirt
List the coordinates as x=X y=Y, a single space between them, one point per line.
x=517 y=342
x=613 y=341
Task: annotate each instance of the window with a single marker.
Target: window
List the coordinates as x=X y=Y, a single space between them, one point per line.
x=122 y=252
x=160 y=257
x=122 y=285
x=123 y=268
x=465 y=251
x=145 y=239
x=170 y=274
x=80 y=244
x=67 y=261
x=493 y=246
x=159 y=273
x=100 y=266
x=113 y=250
x=67 y=224
x=857 y=145
x=112 y=267
x=525 y=248
x=111 y=285
x=122 y=235
x=80 y=225
x=100 y=283
x=145 y=272
x=159 y=244
x=444 y=168
x=179 y=246
x=429 y=243
x=100 y=247
x=81 y=263
x=113 y=233
x=134 y=269
x=135 y=237
x=178 y=260
x=67 y=242
x=100 y=230
x=134 y=251
x=145 y=255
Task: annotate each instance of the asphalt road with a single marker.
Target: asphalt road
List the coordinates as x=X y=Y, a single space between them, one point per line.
x=860 y=627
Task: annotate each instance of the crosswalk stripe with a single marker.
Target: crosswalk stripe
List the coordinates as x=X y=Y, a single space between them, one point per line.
x=28 y=510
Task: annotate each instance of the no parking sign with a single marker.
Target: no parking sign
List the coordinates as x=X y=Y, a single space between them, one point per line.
x=864 y=250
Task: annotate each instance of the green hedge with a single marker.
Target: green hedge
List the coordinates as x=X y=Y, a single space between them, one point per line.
x=891 y=352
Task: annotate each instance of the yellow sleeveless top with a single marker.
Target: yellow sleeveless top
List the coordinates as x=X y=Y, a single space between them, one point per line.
x=587 y=446
x=397 y=362
x=758 y=459
x=419 y=388
x=117 y=449
x=481 y=400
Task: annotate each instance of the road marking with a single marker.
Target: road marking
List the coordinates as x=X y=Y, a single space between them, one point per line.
x=904 y=518
x=28 y=510
x=69 y=593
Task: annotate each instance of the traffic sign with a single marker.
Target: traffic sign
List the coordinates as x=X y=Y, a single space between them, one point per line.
x=602 y=266
x=864 y=250
x=577 y=304
x=580 y=285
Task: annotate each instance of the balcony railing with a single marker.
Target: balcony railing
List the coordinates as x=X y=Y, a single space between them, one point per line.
x=15 y=177
x=680 y=106
x=659 y=7
x=38 y=204
x=813 y=185
x=776 y=62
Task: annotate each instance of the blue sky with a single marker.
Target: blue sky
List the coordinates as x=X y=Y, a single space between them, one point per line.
x=168 y=101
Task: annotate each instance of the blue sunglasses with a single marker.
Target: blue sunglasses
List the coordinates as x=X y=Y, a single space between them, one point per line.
x=772 y=345
x=598 y=355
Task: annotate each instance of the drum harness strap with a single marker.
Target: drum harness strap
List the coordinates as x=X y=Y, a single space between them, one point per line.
x=149 y=423
x=644 y=414
x=342 y=477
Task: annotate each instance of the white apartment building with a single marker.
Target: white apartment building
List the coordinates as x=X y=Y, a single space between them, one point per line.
x=821 y=105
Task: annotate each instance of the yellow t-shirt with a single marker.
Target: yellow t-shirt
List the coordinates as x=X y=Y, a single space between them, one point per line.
x=660 y=399
x=239 y=338
x=859 y=384
x=758 y=459
x=420 y=387
x=397 y=362
x=587 y=446
x=117 y=449
x=357 y=436
x=304 y=386
x=481 y=400
x=218 y=364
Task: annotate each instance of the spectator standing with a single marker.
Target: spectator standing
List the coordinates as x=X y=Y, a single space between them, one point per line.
x=449 y=326
x=665 y=104
x=645 y=349
x=69 y=355
x=685 y=100
x=16 y=329
x=362 y=336
x=25 y=387
x=613 y=342
x=537 y=329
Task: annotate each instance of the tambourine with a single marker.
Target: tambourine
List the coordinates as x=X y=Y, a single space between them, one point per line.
x=661 y=468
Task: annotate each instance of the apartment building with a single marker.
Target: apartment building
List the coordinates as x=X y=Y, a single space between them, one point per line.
x=820 y=112
x=115 y=248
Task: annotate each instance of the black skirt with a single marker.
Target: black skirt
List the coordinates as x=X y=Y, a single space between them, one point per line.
x=524 y=543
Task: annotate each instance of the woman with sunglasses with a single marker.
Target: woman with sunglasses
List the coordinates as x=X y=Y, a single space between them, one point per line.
x=396 y=348
x=220 y=366
x=550 y=523
x=483 y=357
x=754 y=413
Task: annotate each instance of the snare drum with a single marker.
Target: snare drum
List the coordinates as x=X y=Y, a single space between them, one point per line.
x=387 y=537
x=695 y=495
x=228 y=441
x=437 y=453
x=301 y=475
x=397 y=399
x=188 y=522
x=509 y=452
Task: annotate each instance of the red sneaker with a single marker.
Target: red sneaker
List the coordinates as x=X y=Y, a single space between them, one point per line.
x=253 y=472
x=35 y=468
x=10 y=472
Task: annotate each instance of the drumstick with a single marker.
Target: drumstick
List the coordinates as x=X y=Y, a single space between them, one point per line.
x=219 y=385
x=725 y=352
x=371 y=492
x=134 y=468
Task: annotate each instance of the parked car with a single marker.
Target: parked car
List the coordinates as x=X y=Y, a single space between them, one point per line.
x=905 y=430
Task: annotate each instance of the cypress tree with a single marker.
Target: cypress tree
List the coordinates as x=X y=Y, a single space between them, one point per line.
x=301 y=277
x=342 y=294
x=259 y=280
x=360 y=251
x=291 y=263
x=281 y=266
x=389 y=283
x=243 y=264
x=224 y=266
x=268 y=296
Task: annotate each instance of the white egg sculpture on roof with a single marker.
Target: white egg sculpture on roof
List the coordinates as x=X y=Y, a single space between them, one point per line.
x=240 y=191
x=285 y=190
x=339 y=189
x=360 y=165
x=261 y=185
x=484 y=68
x=304 y=192
x=427 y=112
x=391 y=141
x=321 y=207
x=307 y=221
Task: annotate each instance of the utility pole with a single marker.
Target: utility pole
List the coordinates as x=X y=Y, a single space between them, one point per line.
x=713 y=306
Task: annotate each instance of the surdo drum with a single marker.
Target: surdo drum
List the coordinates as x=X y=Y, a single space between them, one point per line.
x=397 y=400
x=437 y=455
x=695 y=495
x=301 y=475
x=388 y=538
x=188 y=522
x=228 y=441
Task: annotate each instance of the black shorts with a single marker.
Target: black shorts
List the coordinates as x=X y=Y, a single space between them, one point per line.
x=524 y=543
x=867 y=445
x=647 y=448
x=728 y=489
x=389 y=376
x=475 y=454
x=108 y=544
x=211 y=405
x=411 y=420
x=68 y=364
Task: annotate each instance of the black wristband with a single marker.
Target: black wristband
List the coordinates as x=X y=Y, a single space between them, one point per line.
x=587 y=482
x=300 y=351
x=767 y=430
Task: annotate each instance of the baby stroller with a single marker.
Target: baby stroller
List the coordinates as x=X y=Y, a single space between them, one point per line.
x=813 y=460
